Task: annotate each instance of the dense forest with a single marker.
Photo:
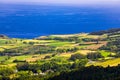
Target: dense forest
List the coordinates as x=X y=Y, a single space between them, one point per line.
x=91 y=73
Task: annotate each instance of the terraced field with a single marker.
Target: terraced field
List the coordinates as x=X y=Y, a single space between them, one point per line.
x=109 y=62
x=59 y=49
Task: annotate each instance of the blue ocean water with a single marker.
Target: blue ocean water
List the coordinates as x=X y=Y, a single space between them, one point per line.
x=29 y=21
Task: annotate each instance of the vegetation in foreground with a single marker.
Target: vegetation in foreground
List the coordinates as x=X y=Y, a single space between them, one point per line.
x=61 y=57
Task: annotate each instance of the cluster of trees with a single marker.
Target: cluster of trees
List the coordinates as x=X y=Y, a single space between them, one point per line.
x=51 y=65
x=28 y=50
x=74 y=38
x=6 y=72
x=5 y=59
x=65 y=50
x=77 y=56
x=92 y=56
x=58 y=69
x=105 y=31
x=36 y=50
x=91 y=73
x=113 y=46
x=80 y=73
x=30 y=43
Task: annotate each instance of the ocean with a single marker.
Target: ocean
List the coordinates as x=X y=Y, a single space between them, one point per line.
x=29 y=21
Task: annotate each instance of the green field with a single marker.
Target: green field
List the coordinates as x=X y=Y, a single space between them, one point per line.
x=110 y=62
x=58 y=53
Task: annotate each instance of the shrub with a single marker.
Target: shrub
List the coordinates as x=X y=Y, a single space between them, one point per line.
x=94 y=55
x=77 y=56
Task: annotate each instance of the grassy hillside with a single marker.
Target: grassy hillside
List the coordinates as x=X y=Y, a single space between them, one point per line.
x=59 y=53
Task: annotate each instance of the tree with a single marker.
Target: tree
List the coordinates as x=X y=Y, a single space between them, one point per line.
x=47 y=57
x=79 y=63
x=39 y=71
x=77 y=56
x=94 y=55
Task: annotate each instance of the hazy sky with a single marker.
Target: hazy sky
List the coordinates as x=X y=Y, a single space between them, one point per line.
x=64 y=1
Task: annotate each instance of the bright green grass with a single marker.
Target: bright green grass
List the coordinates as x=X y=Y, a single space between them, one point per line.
x=60 y=59
x=1 y=49
x=22 y=58
x=59 y=44
x=2 y=58
x=3 y=41
x=82 y=46
x=106 y=53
